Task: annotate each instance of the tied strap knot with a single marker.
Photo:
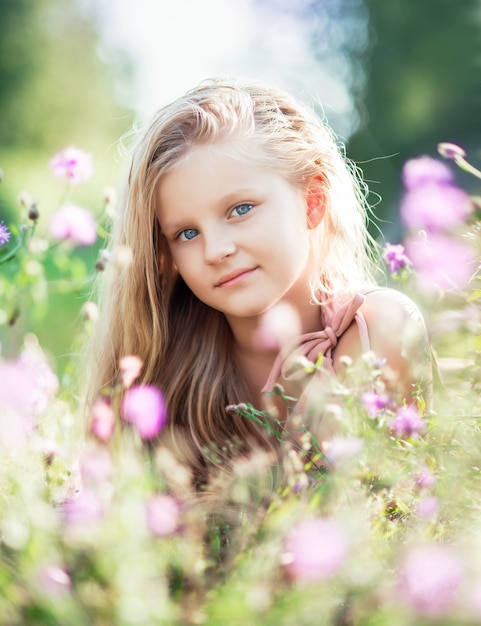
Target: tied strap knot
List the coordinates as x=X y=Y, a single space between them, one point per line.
x=312 y=345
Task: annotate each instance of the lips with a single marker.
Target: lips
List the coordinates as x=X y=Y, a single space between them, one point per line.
x=235 y=277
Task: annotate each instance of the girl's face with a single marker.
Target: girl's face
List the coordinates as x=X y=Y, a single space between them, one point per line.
x=237 y=231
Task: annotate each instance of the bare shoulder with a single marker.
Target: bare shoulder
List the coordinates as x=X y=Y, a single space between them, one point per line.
x=397 y=333
x=386 y=310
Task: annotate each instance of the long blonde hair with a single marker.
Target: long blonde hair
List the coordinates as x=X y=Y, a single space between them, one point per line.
x=147 y=309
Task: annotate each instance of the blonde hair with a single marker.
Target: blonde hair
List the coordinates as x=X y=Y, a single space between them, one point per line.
x=148 y=310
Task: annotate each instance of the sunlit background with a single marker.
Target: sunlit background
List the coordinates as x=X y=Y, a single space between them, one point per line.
x=392 y=77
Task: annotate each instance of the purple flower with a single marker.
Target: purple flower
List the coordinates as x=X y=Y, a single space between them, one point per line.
x=338 y=450
x=74 y=223
x=144 y=407
x=73 y=164
x=316 y=550
x=425 y=479
x=374 y=402
x=427 y=506
x=407 y=424
x=429 y=578
x=425 y=170
x=162 y=513
x=84 y=508
x=4 y=234
x=441 y=262
x=396 y=258
x=102 y=422
x=434 y=206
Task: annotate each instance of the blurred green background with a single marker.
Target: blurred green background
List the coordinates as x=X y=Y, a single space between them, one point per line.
x=395 y=77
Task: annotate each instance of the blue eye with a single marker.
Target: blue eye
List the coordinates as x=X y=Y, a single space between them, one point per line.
x=187 y=234
x=242 y=209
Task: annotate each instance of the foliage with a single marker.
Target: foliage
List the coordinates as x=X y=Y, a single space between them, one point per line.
x=380 y=527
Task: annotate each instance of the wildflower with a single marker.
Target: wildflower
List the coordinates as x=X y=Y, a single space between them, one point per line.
x=407 y=424
x=4 y=234
x=396 y=259
x=374 y=402
x=435 y=206
x=451 y=151
x=429 y=578
x=102 y=420
x=84 y=508
x=96 y=466
x=54 y=580
x=144 y=407
x=427 y=506
x=425 y=479
x=162 y=513
x=278 y=325
x=74 y=223
x=425 y=170
x=441 y=262
x=130 y=368
x=316 y=550
x=73 y=164
x=340 y=449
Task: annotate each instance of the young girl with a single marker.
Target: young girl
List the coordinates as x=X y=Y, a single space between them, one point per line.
x=241 y=209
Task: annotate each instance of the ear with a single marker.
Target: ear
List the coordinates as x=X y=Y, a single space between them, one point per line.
x=316 y=202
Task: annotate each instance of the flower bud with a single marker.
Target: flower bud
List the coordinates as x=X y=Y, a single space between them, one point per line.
x=451 y=151
x=33 y=213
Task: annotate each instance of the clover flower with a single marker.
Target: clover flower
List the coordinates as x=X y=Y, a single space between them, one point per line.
x=429 y=578
x=408 y=424
x=75 y=224
x=432 y=201
x=316 y=550
x=73 y=164
x=374 y=402
x=4 y=234
x=144 y=407
x=162 y=513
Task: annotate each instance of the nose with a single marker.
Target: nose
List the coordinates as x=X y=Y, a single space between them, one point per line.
x=218 y=244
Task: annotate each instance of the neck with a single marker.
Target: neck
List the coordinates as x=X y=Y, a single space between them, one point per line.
x=256 y=343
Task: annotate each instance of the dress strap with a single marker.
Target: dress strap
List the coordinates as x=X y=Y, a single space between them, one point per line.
x=322 y=342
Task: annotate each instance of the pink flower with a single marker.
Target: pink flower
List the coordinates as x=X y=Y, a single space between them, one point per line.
x=316 y=550
x=162 y=513
x=396 y=258
x=96 y=466
x=102 y=422
x=374 y=402
x=425 y=479
x=130 y=368
x=441 y=262
x=434 y=207
x=425 y=170
x=429 y=578
x=340 y=449
x=74 y=223
x=84 y=508
x=73 y=164
x=278 y=326
x=407 y=424
x=54 y=580
x=427 y=506
x=144 y=407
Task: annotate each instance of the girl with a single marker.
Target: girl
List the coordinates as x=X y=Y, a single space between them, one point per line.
x=240 y=208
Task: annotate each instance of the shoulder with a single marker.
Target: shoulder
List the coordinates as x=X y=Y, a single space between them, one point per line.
x=391 y=315
x=398 y=334
x=386 y=309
